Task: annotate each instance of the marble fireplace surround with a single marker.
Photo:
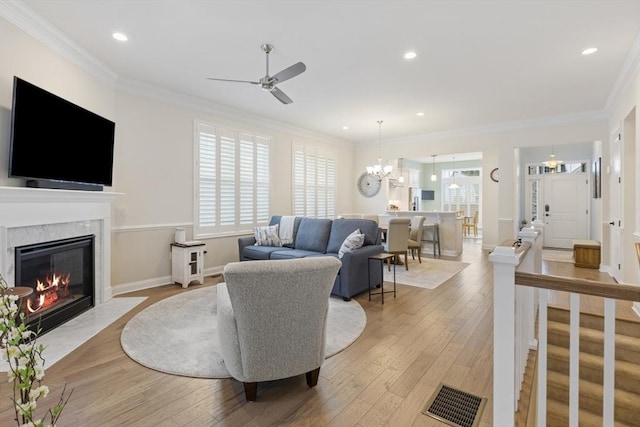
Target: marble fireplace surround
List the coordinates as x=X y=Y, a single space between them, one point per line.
x=36 y=215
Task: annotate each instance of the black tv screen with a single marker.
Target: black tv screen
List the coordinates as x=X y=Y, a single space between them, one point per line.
x=55 y=140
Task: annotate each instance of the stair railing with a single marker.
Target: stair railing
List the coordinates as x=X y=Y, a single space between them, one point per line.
x=520 y=263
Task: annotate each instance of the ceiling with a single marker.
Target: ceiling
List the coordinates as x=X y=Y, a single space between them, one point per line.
x=479 y=63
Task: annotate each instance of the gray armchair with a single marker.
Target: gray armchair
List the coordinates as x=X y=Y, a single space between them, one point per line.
x=272 y=318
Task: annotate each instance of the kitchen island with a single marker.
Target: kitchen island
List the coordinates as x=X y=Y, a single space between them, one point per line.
x=450 y=225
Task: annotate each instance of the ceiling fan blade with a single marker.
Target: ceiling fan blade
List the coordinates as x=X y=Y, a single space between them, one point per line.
x=288 y=73
x=282 y=97
x=238 y=81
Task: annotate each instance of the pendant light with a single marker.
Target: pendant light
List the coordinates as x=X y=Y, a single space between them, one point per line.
x=401 y=177
x=378 y=170
x=433 y=168
x=453 y=185
x=552 y=163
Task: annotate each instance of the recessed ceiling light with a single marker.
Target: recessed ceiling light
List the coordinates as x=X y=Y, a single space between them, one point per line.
x=590 y=50
x=420 y=114
x=120 y=37
x=410 y=55
x=345 y=127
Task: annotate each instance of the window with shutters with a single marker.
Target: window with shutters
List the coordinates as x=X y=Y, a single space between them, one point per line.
x=232 y=180
x=314 y=181
x=466 y=197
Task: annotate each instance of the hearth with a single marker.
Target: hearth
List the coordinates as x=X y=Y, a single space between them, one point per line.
x=61 y=274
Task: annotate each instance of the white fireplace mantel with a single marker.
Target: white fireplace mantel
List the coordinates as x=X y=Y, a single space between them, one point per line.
x=29 y=214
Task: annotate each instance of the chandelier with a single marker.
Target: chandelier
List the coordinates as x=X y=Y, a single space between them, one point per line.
x=552 y=163
x=378 y=170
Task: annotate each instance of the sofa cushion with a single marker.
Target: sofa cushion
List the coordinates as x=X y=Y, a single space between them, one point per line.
x=292 y=253
x=313 y=235
x=342 y=227
x=261 y=252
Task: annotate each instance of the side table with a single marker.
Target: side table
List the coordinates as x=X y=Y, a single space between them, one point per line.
x=186 y=262
x=381 y=258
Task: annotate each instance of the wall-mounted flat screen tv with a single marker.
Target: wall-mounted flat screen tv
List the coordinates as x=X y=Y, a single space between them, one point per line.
x=57 y=144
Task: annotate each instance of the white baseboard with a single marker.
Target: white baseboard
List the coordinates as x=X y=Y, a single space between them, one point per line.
x=156 y=282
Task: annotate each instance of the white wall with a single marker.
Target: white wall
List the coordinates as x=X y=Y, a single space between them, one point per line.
x=625 y=117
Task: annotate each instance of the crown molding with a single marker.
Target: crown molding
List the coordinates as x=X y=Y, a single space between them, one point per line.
x=157 y=93
x=497 y=128
x=25 y=18
x=630 y=69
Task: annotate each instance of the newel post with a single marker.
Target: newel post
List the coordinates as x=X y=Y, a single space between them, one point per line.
x=505 y=260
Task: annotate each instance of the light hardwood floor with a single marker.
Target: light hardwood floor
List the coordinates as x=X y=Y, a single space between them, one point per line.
x=410 y=345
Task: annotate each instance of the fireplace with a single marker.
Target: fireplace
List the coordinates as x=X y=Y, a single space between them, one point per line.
x=62 y=276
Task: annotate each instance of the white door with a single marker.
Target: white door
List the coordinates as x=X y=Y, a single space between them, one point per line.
x=615 y=208
x=565 y=209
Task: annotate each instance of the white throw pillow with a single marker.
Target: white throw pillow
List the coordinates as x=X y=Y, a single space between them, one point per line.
x=267 y=236
x=353 y=241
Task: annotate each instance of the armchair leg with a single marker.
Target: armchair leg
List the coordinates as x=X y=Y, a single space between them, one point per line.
x=250 y=391
x=312 y=377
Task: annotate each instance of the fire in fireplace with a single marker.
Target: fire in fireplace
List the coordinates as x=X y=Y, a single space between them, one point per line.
x=61 y=274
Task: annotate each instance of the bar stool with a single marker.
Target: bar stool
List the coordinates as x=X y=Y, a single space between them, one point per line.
x=431 y=234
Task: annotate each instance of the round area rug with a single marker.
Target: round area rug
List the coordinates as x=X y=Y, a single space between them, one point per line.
x=179 y=335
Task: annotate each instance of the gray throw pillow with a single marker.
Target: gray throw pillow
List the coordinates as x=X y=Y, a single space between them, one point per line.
x=353 y=241
x=267 y=236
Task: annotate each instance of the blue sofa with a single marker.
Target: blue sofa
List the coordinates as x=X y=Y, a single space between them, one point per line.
x=324 y=237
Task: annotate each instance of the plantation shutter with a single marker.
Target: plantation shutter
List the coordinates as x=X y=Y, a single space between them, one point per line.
x=233 y=180
x=314 y=181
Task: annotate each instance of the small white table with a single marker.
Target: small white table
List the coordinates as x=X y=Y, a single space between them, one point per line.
x=186 y=262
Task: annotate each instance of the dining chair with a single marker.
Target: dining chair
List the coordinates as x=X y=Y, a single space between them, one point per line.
x=415 y=236
x=470 y=224
x=397 y=241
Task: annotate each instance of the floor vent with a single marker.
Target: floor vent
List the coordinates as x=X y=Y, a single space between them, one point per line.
x=454 y=407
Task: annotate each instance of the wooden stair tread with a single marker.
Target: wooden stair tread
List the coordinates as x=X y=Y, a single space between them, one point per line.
x=593 y=360
x=592 y=341
x=627 y=374
x=630 y=327
x=623 y=399
x=558 y=415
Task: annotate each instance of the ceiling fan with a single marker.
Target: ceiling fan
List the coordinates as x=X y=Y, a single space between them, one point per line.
x=268 y=83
